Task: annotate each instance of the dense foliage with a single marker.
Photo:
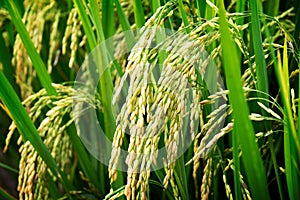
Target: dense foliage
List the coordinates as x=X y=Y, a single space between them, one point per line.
x=224 y=75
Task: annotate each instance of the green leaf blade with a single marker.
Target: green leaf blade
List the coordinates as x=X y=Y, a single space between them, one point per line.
x=243 y=128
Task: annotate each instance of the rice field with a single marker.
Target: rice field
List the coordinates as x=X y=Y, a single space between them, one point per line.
x=159 y=99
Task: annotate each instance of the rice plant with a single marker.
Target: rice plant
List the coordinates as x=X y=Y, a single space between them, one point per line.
x=118 y=99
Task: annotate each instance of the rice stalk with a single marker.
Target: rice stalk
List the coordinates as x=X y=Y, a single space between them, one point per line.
x=152 y=113
x=210 y=142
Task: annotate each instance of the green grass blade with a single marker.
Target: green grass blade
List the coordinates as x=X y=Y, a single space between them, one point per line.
x=95 y=15
x=273 y=156
x=105 y=82
x=108 y=18
x=139 y=15
x=27 y=128
x=51 y=185
x=129 y=37
x=5 y=195
x=184 y=17
x=102 y=34
x=20 y=6
x=122 y=17
x=155 y=5
x=32 y=52
x=240 y=8
x=272 y=7
x=289 y=127
x=180 y=182
x=106 y=85
x=209 y=11
x=291 y=141
x=262 y=83
x=287 y=160
x=283 y=79
x=270 y=138
x=243 y=128
x=5 y=166
x=201 y=4
x=88 y=30
x=261 y=70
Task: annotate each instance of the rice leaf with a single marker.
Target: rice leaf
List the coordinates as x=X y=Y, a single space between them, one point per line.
x=88 y=30
x=139 y=15
x=125 y=25
x=184 y=17
x=272 y=7
x=291 y=140
x=5 y=195
x=262 y=76
x=201 y=7
x=108 y=19
x=243 y=128
x=7 y=167
x=37 y=62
